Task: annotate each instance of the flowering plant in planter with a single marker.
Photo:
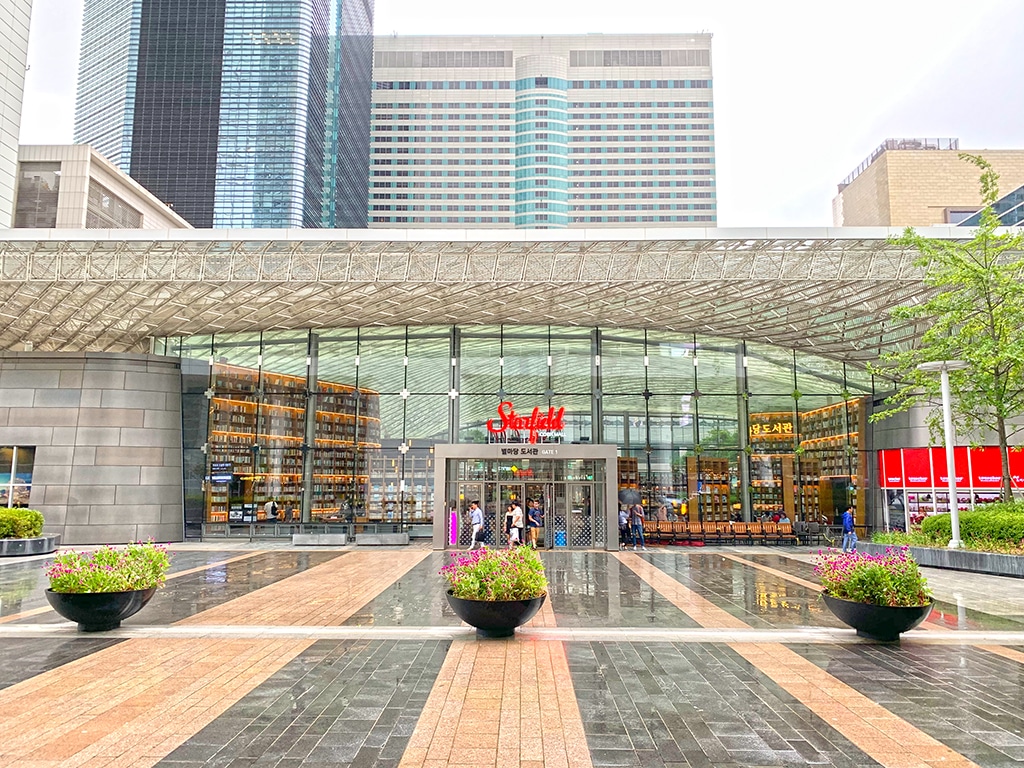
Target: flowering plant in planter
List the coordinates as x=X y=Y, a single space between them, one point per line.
x=890 y=579
x=496 y=574
x=137 y=566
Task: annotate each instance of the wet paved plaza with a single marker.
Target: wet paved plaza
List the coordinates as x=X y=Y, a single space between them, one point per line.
x=720 y=657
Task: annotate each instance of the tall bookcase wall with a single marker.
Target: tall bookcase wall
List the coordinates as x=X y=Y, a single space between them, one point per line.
x=271 y=414
x=708 y=487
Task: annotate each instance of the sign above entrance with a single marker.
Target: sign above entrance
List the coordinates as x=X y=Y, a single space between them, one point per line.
x=536 y=422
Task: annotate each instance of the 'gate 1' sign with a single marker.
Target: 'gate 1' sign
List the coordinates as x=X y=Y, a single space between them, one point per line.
x=552 y=421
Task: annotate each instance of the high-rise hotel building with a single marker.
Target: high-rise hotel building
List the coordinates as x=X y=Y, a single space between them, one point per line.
x=230 y=110
x=542 y=131
x=14 y=19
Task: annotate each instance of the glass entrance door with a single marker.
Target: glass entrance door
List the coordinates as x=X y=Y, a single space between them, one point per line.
x=460 y=528
x=581 y=516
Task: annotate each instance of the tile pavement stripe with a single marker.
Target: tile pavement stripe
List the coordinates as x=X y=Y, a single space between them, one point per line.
x=880 y=734
x=1006 y=653
x=325 y=595
x=134 y=703
x=179 y=574
x=504 y=704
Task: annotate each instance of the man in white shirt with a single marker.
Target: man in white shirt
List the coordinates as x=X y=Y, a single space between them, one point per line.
x=476 y=518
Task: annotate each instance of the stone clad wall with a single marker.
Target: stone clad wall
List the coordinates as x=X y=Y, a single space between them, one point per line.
x=107 y=432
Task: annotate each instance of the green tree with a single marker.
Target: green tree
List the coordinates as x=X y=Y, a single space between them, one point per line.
x=975 y=314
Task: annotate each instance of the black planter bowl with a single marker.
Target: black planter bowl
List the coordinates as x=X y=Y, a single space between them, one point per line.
x=877 y=622
x=98 y=611
x=495 y=618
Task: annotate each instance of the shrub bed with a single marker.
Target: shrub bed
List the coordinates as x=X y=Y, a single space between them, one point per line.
x=994 y=522
x=20 y=523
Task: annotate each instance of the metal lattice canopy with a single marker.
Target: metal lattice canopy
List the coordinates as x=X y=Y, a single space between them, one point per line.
x=826 y=291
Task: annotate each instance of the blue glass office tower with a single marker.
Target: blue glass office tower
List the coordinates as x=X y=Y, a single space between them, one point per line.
x=221 y=107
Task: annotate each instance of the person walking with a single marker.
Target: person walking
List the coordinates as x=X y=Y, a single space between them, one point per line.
x=515 y=530
x=476 y=519
x=623 y=527
x=849 y=532
x=534 y=521
x=636 y=524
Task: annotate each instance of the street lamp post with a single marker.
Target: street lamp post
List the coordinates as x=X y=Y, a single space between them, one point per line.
x=944 y=367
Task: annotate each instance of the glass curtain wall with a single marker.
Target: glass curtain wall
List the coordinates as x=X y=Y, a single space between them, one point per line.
x=340 y=424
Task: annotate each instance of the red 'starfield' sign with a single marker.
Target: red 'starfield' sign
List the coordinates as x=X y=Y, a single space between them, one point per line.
x=551 y=421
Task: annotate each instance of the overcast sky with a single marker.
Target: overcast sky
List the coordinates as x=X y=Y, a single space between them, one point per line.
x=803 y=90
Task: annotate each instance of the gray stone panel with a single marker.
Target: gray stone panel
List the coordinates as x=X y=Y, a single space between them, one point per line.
x=121 y=457
x=108 y=464
x=57 y=398
x=71 y=378
x=91 y=494
x=55 y=456
x=163 y=420
x=100 y=534
x=127 y=398
x=151 y=438
x=105 y=476
x=16 y=398
x=26 y=435
x=155 y=476
x=156 y=381
x=43 y=417
x=29 y=380
x=55 y=494
x=99 y=436
x=106 y=417
x=103 y=380
x=55 y=475
x=142 y=494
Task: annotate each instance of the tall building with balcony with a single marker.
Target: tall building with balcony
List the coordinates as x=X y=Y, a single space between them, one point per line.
x=14 y=20
x=543 y=132
x=224 y=108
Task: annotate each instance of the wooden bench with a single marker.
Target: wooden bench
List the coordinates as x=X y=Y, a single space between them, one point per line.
x=755 y=532
x=786 y=534
x=726 y=535
x=694 y=532
x=741 y=532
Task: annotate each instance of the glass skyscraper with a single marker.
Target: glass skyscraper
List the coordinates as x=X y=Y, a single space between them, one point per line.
x=223 y=108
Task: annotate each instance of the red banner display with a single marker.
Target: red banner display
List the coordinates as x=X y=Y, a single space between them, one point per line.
x=1017 y=468
x=890 y=468
x=986 y=467
x=940 y=472
x=917 y=469
x=552 y=421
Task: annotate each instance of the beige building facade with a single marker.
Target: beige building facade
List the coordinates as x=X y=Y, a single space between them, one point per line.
x=74 y=187
x=14 y=20
x=920 y=183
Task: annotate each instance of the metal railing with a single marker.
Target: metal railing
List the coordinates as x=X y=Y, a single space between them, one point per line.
x=897 y=144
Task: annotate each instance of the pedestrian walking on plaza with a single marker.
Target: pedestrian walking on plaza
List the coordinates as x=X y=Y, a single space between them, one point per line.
x=636 y=524
x=849 y=532
x=534 y=521
x=515 y=528
x=476 y=519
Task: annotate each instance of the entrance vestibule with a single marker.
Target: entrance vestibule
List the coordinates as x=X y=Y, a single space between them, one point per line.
x=571 y=485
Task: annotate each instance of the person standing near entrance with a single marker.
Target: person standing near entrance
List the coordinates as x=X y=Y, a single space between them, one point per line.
x=534 y=522
x=636 y=524
x=623 y=527
x=270 y=509
x=515 y=530
x=476 y=519
x=849 y=532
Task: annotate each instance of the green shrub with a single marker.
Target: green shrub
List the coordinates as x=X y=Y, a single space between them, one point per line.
x=20 y=523
x=996 y=522
x=892 y=578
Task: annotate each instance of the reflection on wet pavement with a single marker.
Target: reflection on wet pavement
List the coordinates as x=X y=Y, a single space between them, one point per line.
x=761 y=599
x=188 y=594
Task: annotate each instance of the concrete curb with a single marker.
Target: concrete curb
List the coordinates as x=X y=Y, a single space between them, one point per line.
x=958 y=559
